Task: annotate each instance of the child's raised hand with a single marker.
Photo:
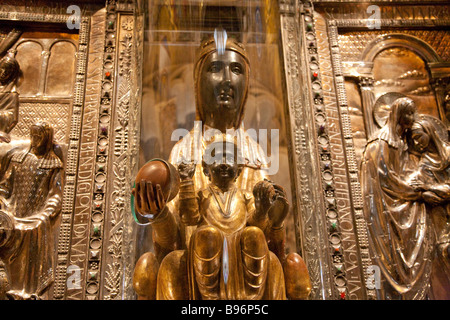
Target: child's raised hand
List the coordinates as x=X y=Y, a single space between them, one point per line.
x=279 y=207
x=264 y=193
x=186 y=170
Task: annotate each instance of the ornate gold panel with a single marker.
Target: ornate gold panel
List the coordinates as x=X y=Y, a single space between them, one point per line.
x=407 y=56
x=115 y=88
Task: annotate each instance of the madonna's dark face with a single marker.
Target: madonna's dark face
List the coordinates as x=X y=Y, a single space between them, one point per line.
x=222 y=85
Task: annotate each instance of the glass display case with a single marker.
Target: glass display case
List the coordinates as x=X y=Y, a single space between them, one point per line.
x=173 y=35
x=172 y=39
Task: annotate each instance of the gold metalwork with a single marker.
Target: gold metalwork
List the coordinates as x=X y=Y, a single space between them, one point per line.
x=31 y=197
x=9 y=97
x=402 y=186
x=219 y=250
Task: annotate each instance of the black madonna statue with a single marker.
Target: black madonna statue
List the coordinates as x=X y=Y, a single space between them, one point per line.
x=221 y=77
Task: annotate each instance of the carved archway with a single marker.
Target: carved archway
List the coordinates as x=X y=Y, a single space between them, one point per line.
x=421 y=48
x=436 y=67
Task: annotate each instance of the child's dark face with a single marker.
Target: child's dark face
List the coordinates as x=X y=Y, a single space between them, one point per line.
x=225 y=169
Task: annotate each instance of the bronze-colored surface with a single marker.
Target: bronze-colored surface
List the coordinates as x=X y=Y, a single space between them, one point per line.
x=401 y=70
x=162 y=173
x=4 y=282
x=62 y=58
x=226 y=226
x=9 y=97
x=298 y=284
x=47 y=53
x=31 y=193
x=145 y=276
x=342 y=213
x=430 y=153
x=318 y=74
x=155 y=172
x=403 y=58
x=6 y=228
x=353 y=43
x=406 y=183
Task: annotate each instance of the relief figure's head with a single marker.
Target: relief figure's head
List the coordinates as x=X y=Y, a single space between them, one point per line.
x=41 y=138
x=9 y=69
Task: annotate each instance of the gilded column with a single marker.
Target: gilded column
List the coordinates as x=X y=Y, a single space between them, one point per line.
x=368 y=101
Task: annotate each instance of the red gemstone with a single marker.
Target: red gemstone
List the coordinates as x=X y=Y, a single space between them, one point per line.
x=342 y=295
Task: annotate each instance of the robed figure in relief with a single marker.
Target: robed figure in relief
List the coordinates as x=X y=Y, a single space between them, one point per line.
x=31 y=200
x=396 y=207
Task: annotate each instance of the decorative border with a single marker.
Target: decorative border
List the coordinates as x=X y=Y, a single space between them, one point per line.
x=307 y=197
x=72 y=160
x=352 y=181
x=107 y=273
x=108 y=269
x=412 y=2
x=34 y=17
x=326 y=161
x=333 y=215
x=99 y=214
x=122 y=131
x=329 y=247
x=363 y=23
x=120 y=189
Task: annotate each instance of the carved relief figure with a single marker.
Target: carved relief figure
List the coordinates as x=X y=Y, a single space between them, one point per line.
x=9 y=74
x=430 y=165
x=30 y=198
x=221 y=86
x=399 y=228
x=228 y=254
x=9 y=97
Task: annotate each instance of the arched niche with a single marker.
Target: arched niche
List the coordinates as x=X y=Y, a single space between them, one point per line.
x=401 y=70
x=384 y=68
x=29 y=56
x=61 y=68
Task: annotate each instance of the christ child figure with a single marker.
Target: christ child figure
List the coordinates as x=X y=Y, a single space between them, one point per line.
x=229 y=257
